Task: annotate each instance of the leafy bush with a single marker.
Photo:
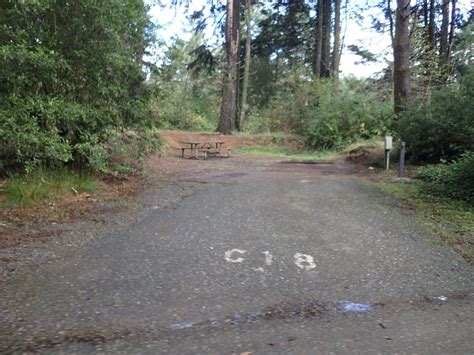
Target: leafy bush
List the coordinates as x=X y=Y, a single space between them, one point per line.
x=70 y=73
x=189 y=90
x=454 y=180
x=174 y=109
x=256 y=122
x=345 y=112
x=443 y=126
x=127 y=150
x=328 y=114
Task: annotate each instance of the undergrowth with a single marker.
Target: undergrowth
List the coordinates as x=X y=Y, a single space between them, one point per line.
x=43 y=185
x=452 y=220
x=279 y=140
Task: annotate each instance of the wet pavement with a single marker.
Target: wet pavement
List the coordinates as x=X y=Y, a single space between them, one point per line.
x=254 y=258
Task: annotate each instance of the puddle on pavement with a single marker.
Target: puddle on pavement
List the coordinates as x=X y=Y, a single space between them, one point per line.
x=178 y=326
x=281 y=311
x=347 y=306
x=302 y=309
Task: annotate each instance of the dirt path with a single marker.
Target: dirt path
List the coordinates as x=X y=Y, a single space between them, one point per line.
x=231 y=256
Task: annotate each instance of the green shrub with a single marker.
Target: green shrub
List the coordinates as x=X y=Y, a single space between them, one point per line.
x=345 y=112
x=126 y=151
x=174 y=109
x=328 y=114
x=256 y=122
x=70 y=73
x=454 y=180
x=443 y=126
x=323 y=133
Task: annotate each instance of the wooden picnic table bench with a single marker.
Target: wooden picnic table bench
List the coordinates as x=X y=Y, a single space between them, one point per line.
x=207 y=148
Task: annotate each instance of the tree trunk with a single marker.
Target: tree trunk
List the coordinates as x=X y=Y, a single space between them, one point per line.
x=326 y=39
x=443 y=41
x=452 y=27
x=432 y=25
x=229 y=97
x=248 y=43
x=401 y=54
x=345 y=28
x=425 y=13
x=390 y=21
x=337 y=40
x=318 y=39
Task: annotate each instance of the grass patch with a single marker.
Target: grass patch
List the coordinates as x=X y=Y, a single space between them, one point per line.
x=291 y=142
x=43 y=185
x=452 y=220
x=284 y=153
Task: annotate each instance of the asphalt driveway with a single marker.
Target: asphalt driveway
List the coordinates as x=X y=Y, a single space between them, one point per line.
x=254 y=257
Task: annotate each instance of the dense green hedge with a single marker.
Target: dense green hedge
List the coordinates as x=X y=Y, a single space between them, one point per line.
x=344 y=112
x=442 y=126
x=70 y=73
x=453 y=180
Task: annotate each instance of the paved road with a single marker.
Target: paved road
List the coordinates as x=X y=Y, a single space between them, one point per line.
x=277 y=258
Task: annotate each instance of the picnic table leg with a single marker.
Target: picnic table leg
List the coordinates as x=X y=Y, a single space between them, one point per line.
x=182 y=152
x=195 y=151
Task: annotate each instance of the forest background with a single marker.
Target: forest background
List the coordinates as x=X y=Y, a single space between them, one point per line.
x=79 y=81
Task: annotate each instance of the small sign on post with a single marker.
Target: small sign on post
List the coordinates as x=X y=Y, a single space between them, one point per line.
x=388 y=147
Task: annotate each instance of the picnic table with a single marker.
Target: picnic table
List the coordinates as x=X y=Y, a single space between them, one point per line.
x=207 y=148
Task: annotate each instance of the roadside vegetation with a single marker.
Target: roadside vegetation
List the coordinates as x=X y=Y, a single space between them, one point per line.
x=442 y=195
x=74 y=102
x=452 y=220
x=45 y=185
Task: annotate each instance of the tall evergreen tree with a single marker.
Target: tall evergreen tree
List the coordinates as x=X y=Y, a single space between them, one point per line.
x=401 y=53
x=231 y=80
x=248 y=44
x=318 y=39
x=443 y=40
x=326 y=39
x=336 y=50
